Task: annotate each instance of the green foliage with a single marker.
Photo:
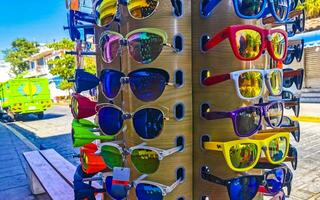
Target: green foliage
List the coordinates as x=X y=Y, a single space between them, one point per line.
x=20 y=49
x=312 y=8
x=64 y=66
x=90 y=65
x=65 y=44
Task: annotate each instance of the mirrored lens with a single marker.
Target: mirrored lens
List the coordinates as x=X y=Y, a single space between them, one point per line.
x=110 y=45
x=289 y=58
x=250 y=84
x=277 y=148
x=250 y=7
x=85 y=161
x=275 y=113
x=278 y=45
x=117 y=192
x=248 y=43
x=275 y=82
x=275 y=180
x=248 y=121
x=145 y=47
x=243 y=155
x=111 y=156
x=148 y=122
x=74 y=107
x=110 y=120
x=281 y=8
x=146 y=191
x=111 y=83
x=106 y=12
x=148 y=85
x=243 y=188
x=146 y=161
x=141 y=9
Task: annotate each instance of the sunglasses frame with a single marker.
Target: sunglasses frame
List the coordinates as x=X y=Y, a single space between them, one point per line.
x=264 y=107
x=291 y=73
x=293 y=50
x=260 y=140
x=162 y=153
x=267 y=7
x=85 y=107
x=127 y=116
x=123 y=42
x=296 y=134
x=230 y=33
x=296 y=24
x=292 y=103
x=95 y=162
x=265 y=74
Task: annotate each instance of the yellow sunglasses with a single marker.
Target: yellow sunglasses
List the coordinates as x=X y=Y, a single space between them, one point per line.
x=243 y=155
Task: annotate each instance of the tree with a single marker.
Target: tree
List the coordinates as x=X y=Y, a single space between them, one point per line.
x=20 y=49
x=312 y=8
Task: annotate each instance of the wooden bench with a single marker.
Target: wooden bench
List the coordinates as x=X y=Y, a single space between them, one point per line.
x=49 y=172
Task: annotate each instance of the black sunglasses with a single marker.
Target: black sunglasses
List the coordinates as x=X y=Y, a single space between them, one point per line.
x=287 y=122
x=291 y=76
x=294 y=51
x=291 y=102
x=297 y=25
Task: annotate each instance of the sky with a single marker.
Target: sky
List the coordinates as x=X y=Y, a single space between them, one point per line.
x=36 y=20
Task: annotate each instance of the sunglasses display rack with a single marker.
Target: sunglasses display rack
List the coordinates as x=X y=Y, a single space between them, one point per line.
x=160 y=82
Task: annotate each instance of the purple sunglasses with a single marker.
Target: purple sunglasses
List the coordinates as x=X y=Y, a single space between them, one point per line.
x=247 y=120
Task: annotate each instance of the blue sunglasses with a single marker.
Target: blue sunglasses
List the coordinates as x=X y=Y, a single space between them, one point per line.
x=294 y=51
x=145 y=190
x=251 y=9
x=146 y=84
x=246 y=187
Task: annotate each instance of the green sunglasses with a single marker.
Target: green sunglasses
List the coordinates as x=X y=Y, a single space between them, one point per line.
x=82 y=134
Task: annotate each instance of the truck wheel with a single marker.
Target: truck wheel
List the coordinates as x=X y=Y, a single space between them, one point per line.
x=40 y=115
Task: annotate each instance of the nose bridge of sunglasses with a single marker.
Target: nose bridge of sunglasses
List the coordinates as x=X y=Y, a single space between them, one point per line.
x=125 y=80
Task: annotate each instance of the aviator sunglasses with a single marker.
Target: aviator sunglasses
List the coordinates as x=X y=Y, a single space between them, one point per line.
x=248 y=42
x=144 y=45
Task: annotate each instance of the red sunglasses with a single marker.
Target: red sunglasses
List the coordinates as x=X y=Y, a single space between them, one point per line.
x=248 y=42
x=82 y=107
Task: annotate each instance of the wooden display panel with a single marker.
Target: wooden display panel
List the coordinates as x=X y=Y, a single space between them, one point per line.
x=220 y=97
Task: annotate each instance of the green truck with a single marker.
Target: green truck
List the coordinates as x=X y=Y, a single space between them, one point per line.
x=25 y=96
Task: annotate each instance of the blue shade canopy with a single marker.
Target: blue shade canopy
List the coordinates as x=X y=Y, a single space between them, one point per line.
x=311 y=39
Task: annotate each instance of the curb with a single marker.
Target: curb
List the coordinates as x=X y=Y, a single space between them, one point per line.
x=311 y=119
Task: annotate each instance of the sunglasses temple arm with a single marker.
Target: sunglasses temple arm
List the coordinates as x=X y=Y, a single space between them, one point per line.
x=216 y=115
x=171 y=46
x=140 y=178
x=168 y=152
x=212 y=80
x=216 y=39
x=170 y=188
x=84 y=53
x=210 y=6
x=265 y=165
x=213 y=179
x=292 y=73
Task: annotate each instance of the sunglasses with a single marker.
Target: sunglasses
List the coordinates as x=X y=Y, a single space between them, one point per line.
x=144 y=45
x=243 y=155
x=90 y=162
x=297 y=25
x=294 y=129
x=248 y=42
x=249 y=83
x=246 y=187
x=287 y=122
x=294 y=51
x=291 y=102
x=291 y=76
x=145 y=190
x=147 y=122
x=250 y=9
x=79 y=20
x=145 y=159
x=82 y=134
x=82 y=107
x=248 y=120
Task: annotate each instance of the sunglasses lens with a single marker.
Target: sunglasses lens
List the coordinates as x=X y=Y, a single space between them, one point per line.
x=111 y=156
x=74 y=107
x=296 y=108
x=243 y=155
x=287 y=95
x=146 y=191
x=148 y=85
x=248 y=121
x=85 y=161
x=250 y=84
x=248 y=43
x=110 y=45
x=275 y=180
x=117 y=192
x=274 y=114
x=148 y=122
x=110 y=120
x=297 y=132
x=140 y=9
x=278 y=45
x=146 y=161
x=145 y=47
x=275 y=82
x=289 y=58
x=277 y=148
x=299 y=80
x=249 y=7
x=111 y=83
x=281 y=7
x=106 y=12
x=243 y=188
